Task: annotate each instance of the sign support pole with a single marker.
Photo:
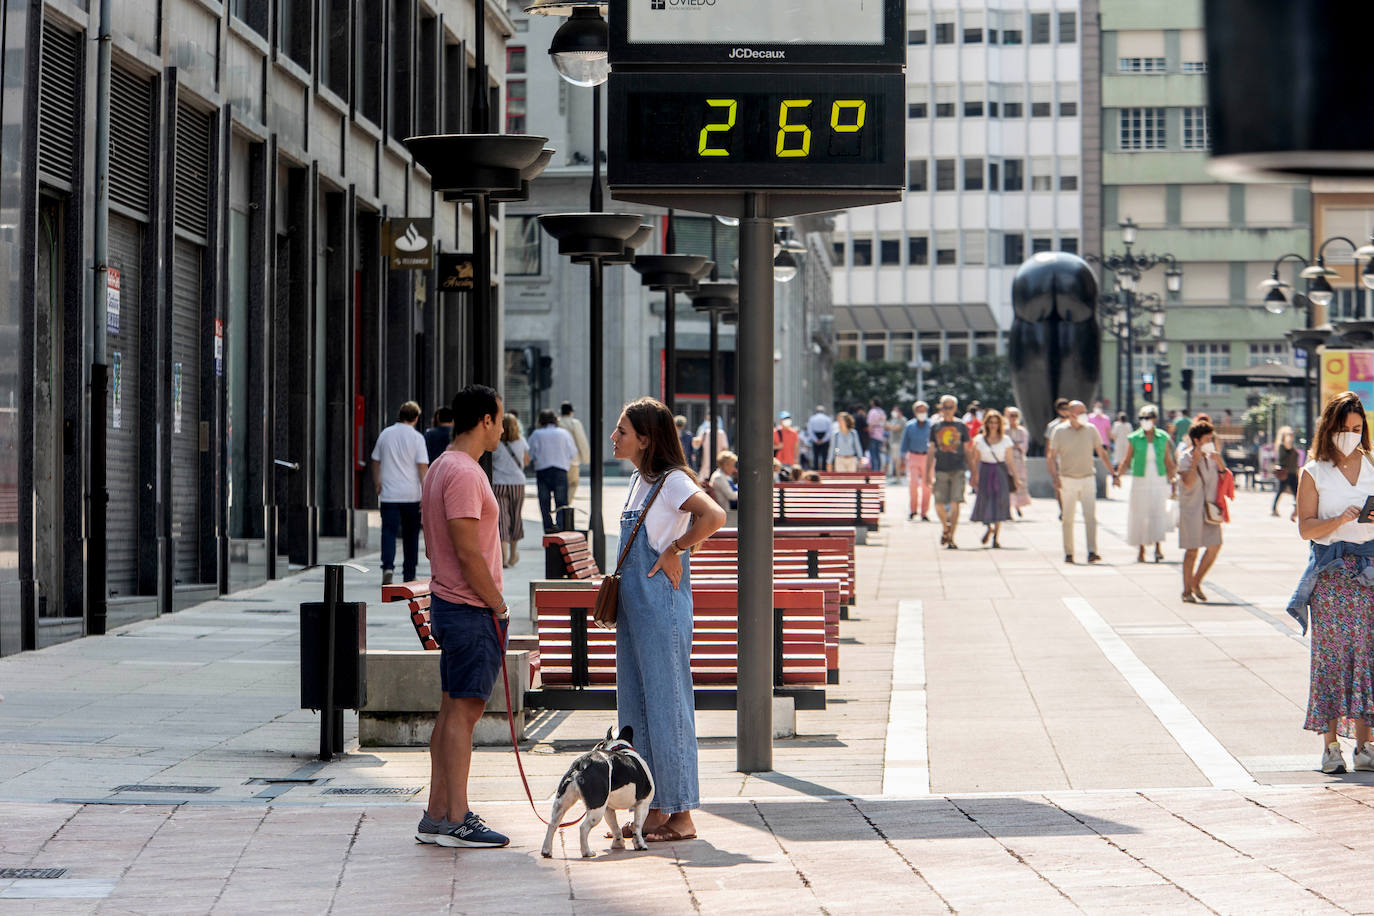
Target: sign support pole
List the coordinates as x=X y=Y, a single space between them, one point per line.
x=754 y=706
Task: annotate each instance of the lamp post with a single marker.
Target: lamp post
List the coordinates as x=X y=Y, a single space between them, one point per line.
x=714 y=298
x=1125 y=299
x=669 y=274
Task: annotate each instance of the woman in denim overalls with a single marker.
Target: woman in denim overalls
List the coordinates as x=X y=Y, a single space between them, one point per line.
x=654 y=630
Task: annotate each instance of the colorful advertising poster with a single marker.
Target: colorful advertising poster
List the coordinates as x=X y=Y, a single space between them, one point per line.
x=1348 y=370
x=117 y=410
x=176 y=397
x=112 y=301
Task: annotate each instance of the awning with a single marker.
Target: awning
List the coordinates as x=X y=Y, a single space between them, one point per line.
x=1269 y=375
x=952 y=317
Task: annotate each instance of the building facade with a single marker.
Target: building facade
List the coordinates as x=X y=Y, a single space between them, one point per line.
x=1154 y=143
x=254 y=338
x=993 y=143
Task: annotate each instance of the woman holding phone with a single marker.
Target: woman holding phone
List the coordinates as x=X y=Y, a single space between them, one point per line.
x=1337 y=587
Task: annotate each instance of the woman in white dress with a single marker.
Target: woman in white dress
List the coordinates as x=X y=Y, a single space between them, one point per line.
x=1020 y=444
x=1121 y=431
x=1149 y=456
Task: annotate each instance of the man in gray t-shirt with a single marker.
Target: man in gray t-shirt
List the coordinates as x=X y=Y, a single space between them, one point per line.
x=947 y=461
x=1072 y=447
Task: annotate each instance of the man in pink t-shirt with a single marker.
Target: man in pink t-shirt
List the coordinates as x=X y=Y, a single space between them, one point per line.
x=1101 y=422
x=463 y=543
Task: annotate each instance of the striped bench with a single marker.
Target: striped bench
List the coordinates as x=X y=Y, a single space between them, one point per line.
x=416 y=595
x=568 y=555
x=859 y=505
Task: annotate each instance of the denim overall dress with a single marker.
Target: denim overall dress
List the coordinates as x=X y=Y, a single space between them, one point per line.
x=653 y=682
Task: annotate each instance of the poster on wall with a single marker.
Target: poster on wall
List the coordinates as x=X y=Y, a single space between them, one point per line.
x=176 y=397
x=1348 y=370
x=219 y=347
x=117 y=408
x=112 y=301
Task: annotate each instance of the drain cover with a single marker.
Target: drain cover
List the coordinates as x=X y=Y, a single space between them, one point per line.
x=180 y=790
x=370 y=790
x=284 y=781
x=32 y=872
x=265 y=610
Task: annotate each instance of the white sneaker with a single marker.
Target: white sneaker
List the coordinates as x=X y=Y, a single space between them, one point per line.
x=1364 y=758
x=1332 y=761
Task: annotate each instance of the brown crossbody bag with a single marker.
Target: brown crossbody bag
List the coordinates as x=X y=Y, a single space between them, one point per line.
x=607 y=606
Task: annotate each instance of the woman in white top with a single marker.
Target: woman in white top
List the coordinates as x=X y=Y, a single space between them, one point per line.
x=1338 y=585
x=508 y=465
x=722 y=482
x=1120 y=432
x=992 y=480
x=653 y=651
x=1020 y=444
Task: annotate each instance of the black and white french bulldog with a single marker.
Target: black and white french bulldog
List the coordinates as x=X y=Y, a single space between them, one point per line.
x=609 y=776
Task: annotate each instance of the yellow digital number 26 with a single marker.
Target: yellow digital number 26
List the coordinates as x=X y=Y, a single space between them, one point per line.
x=704 y=147
x=785 y=129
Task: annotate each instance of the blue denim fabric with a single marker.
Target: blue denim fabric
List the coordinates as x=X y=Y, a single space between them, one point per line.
x=470 y=650
x=653 y=681
x=402 y=519
x=553 y=492
x=877 y=451
x=1322 y=556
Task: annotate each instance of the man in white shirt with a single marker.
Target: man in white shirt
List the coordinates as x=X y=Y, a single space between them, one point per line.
x=584 y=449
x=399 y=463
x=552 y=452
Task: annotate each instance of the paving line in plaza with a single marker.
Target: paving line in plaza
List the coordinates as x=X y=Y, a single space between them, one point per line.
x=906 y=758
x=1201 y=746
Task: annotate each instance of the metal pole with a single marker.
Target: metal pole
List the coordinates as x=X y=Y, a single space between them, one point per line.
x=754 y=357
x=481 y=104
x=97 y=601
x=1130 y=354
x=669 y=348
x=333 y=594
x=594 y=417
x=708 y=441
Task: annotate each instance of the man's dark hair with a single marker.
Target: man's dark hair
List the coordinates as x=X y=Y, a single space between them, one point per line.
x=547 y=418
x=472 y=404
x=443 y=415
x=566 y=409
x=409 y=412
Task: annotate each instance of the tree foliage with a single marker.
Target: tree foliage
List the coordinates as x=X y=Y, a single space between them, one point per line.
x=986 y=379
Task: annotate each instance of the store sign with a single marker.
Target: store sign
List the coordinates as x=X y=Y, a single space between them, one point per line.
x=112 y=301
x=410 y=243
x=456 y=273
x=219 y=347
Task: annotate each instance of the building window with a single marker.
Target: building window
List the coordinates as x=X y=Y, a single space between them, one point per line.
x=293 y=30
x=1042 y=173
x=1068 y=100
x=1040 y=28
x=1196 y=134
x=973 y=27
x=1141 y=65
x=973 y=174
x=863 y=252
x=945 y=95
x=890 y=250
x=917 y=175
x=515 y=106
x=946 y=246
x=516 y=59
x=1194 y=66
x=916 y=29
x=1204 y=359
x=918 y=250
x=402 y=67
x=1068 y=27
x=994 y=170
x=944 y=174
x=1068 y=173
x=523 y=238
x=335 y=36
x=1041 y=243
x=838 y=258
x=875 y=346
x=1262 y=354
x=1013 y=174
x=1013 y=249
x=944 y=27
x=847 y=345
x=252 y=13
x=975 y=246
x=994 y=100
x=369 y=60
x=1042 y=100
x=1142 y=128
x=917 y=110
x=1013 y=100
x=901 y=346
x=1068 y=243
x=1011 y=28
x=973 y=100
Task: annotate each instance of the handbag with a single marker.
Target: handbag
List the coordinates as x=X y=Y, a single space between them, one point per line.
x=607 y=606
x=1011 y=478
x=1213 y=516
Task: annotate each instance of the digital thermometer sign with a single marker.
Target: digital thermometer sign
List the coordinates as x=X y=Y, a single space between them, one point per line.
x=756 y=130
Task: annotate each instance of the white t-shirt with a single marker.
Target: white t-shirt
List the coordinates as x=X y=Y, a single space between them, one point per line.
x=989 y=454
x=508 y=464
x=552 y=447
x=1335 y=494
x=399 y=449
x=666 y=522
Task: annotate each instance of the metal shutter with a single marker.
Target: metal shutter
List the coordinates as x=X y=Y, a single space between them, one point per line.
x=59 y=102
x=131 y=140
x=186 y=330
x=193 y=192
x=122 y=457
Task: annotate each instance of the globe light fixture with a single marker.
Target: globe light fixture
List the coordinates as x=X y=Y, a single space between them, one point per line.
x=581 y=48
x=1275 y=303
x=1320 y=291
x=1128 y=229
x=784 y=267
x=1367 y=275
x=1173 y=278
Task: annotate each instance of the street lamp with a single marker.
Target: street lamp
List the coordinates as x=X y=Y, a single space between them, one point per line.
x=1119 y=307
x=580 y=48
x=715 y=298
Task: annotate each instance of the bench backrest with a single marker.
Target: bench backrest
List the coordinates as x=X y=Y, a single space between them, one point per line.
x=855 y=503
x=833 y=550
x=578 y=560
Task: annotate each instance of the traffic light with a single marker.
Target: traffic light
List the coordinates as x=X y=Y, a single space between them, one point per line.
x=544 y=378
x=1185 y=379
x=1147 y=385
x=1162 y=376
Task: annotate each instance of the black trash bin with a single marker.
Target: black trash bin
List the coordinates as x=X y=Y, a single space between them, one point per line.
x=333 y=658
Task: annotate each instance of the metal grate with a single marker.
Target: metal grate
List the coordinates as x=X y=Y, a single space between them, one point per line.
x=191 y=202
x=59 y=102
x=131 y=141
x=180 y=790
x=23 y=873
x=285 y=781
x=265 y=610
x=370 y=790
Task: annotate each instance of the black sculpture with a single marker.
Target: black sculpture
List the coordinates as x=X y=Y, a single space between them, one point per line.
x=1056 y=342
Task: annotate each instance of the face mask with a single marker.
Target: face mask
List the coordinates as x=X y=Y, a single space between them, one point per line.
x=1346 y=442
x=1209 y=448
x=921 y=417
x=1147 y=425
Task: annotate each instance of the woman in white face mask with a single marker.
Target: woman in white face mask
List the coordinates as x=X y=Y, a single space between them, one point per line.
x=1338 y=585
x=1200 y=473
x=1149 y=457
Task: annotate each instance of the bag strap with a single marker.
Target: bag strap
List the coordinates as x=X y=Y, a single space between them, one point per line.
x=643 y=513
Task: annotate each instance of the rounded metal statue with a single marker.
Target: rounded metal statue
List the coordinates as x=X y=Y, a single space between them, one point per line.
x=1056 y=342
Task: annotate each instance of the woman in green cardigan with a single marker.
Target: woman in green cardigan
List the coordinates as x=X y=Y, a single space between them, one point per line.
x=1150 y=459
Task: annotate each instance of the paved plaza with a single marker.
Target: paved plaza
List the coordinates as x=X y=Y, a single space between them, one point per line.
x=1009 y=734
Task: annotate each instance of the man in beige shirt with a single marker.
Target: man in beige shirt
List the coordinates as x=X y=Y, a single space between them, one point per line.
x=584 y=451
x=1072 y=446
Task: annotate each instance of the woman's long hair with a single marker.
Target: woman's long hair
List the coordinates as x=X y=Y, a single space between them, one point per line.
x=846 y=420
x=510 y=428
x=652 y=419
x=1332 y=421
x=1001 y=426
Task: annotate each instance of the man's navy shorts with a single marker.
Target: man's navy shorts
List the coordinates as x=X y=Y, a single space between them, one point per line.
x=469 y=650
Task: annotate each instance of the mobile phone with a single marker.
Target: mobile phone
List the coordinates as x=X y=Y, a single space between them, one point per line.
x=1367 y=513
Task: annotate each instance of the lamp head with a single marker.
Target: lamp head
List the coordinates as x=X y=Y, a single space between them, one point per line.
x=784 y=267
x=1173 y=278
x=581 y=48
x=1128 y=228
x=1367 y=275
x=1275 y=302
x=1320 y=291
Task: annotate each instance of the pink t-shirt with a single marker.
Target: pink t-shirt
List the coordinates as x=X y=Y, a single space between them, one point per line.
x=1103 y=424
x=457 y=487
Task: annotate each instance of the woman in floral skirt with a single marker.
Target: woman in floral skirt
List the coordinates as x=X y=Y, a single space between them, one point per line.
x=1337 y=588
